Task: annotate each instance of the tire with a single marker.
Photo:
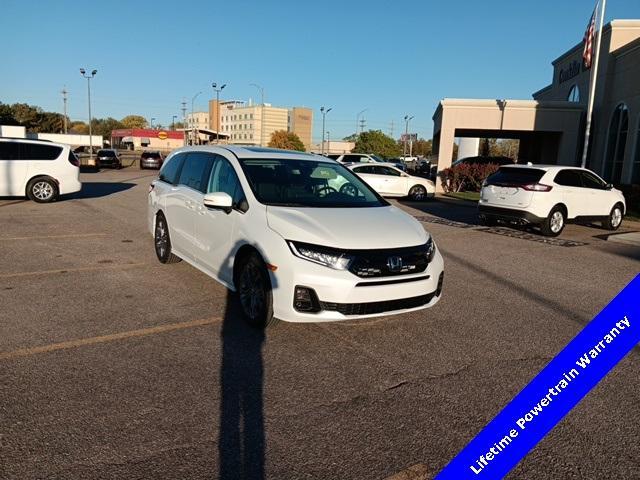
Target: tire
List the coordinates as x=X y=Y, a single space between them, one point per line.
x=349 y=189
x=42 y=190
x=486 y=221
x=614 y=220
x=162 y=241
x=554 y=223
x=418 y=193
x=254 y=290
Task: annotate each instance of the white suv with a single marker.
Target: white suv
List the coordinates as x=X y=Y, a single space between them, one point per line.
x=37 y=169
x=549 y=196
x=274 y=226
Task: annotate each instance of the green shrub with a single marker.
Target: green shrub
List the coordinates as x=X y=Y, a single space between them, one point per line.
x=466 y=178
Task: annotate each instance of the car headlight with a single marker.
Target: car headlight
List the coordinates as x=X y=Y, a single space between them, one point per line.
x=321 y=255
x=431 y=249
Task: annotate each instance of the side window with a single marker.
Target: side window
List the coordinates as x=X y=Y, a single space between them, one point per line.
x=195 y=170
x=390 y=171
x=379 y=170
x=170 y=169
x=568 y=178
x=589 y=180
x=224 y=179
x=33 y=151
x=361 y=170
x=9 y=151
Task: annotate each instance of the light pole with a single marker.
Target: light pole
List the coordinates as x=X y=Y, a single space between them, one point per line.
x=83 y=72
x=407 y=119
x=328 y=141
x=152 y=120
x=193 y=134
x=218 y=90
x=261 y=110
x=324 y=112
x=173 y=122
x=358 y=119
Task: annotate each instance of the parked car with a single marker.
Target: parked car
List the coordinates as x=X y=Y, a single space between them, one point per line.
x=484 y=160
x=365 y=158
x=390 y=181
x=151 y=159
x=39 y=170
x=108 y=158
x=549 y=196
x=274 y=227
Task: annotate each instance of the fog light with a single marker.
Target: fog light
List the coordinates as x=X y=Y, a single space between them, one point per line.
x=305 y=300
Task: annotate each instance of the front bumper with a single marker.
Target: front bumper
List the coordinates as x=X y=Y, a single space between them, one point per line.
x=509 y=215
x=345 y=296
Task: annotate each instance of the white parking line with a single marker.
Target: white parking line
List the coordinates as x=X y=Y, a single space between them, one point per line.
x=71 y=235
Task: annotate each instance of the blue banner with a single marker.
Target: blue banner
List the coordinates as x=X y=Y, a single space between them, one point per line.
x=553 y=392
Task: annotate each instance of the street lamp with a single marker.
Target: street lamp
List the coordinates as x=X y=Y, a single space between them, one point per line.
x=407 y=119
x=173 y=122
x=193 y=134
x=218 y=90
x=152 y=120
x=358 y=119
x=328 y=141
x=83 y=72
x=324 y=112
x=261 y=110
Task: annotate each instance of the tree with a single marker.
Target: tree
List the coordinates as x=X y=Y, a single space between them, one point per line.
x=104 y=126
x=351 y=138
x=49 y=122
x=134 y=121
x=178 y=125
x=376 y=142
x=286 y=140
x=26 y=115
x=79 y=128
x=6 y=115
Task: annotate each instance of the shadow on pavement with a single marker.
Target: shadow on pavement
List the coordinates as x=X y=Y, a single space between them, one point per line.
x=101 y=189
x=241 y=443
x=446 y=210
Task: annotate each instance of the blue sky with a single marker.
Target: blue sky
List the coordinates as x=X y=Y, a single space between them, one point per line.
x=391 y=58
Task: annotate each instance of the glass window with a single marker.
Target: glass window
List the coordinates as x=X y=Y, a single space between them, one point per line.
x=364 y=169
x=307 y=183
x=171 y=168
x=589 y=180
x=635 y=174
x=9 y=151
x=352 y=158
x=515 y=176
x=569 y=178
x=195 y=171
x=224 y=179
x=34 y=151
x=618 y=129
x=574 y=94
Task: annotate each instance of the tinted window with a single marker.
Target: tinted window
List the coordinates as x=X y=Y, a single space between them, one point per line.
x=352 y=158
x=333 y=156
x=170 y=169
x=307 y=183
x=9 y=151
x=589 y=180
x=388 y=171
x=106 y=153
x=515 y=176
x=568 y=178
x=224 y=179
x=364 y=169
x=33 y=151
x=151 y=155
x=195 y=170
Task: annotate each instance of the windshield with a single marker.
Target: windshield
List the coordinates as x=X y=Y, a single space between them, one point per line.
x=307 y=183
x=106 y=153
x=377 y=158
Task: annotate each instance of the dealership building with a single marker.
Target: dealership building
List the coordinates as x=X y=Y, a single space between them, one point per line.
x=551 y=126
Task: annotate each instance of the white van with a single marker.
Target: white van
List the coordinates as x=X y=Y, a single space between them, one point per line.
x=37 y=169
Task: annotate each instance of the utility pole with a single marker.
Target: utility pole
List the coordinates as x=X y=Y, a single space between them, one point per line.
x=173 y=122
x=362 y=124
x=407 y=119
x=358 y=120
x=328 y=141
x=184 y=122
x=391 y=130
x=64 y=101
x=83 y=72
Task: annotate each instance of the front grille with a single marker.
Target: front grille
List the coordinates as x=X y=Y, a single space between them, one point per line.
x=377 y=307
x=375 y=263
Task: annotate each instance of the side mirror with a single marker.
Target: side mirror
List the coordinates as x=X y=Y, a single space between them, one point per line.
x=219 y=201
x=609 y=186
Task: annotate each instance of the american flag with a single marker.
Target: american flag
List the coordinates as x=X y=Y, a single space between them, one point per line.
x=589 y=35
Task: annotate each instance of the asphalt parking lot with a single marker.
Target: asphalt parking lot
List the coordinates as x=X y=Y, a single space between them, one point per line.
x=114 y=366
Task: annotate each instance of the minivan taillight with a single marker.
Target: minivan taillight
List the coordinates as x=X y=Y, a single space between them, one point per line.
x=537 y=187
x=73 y=160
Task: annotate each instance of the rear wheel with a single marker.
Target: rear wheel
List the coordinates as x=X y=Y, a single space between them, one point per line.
x=162 y=241
x=615 y=218
x=254 y=291
x=42 y=190
x=486 y=221
x=554 y=223
x=418 y=193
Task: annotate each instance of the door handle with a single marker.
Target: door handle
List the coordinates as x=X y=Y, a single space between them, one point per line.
x=189 y=204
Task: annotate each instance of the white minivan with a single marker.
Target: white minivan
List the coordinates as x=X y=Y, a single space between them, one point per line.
x=37 y=169
x=275 y=227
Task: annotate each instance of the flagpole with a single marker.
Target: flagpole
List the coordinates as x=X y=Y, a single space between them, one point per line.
x=592 y=88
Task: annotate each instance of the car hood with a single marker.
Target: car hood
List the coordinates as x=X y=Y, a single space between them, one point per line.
x=348 y=228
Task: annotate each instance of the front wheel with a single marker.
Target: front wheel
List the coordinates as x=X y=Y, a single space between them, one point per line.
x=615 y=218
x=254 y=289
x=554 y=223
x=418 y=193
x=42 y=190
x=162 y=241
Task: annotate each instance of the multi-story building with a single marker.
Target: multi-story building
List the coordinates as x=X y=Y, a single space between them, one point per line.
x=197 y=120
x=254 y=124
